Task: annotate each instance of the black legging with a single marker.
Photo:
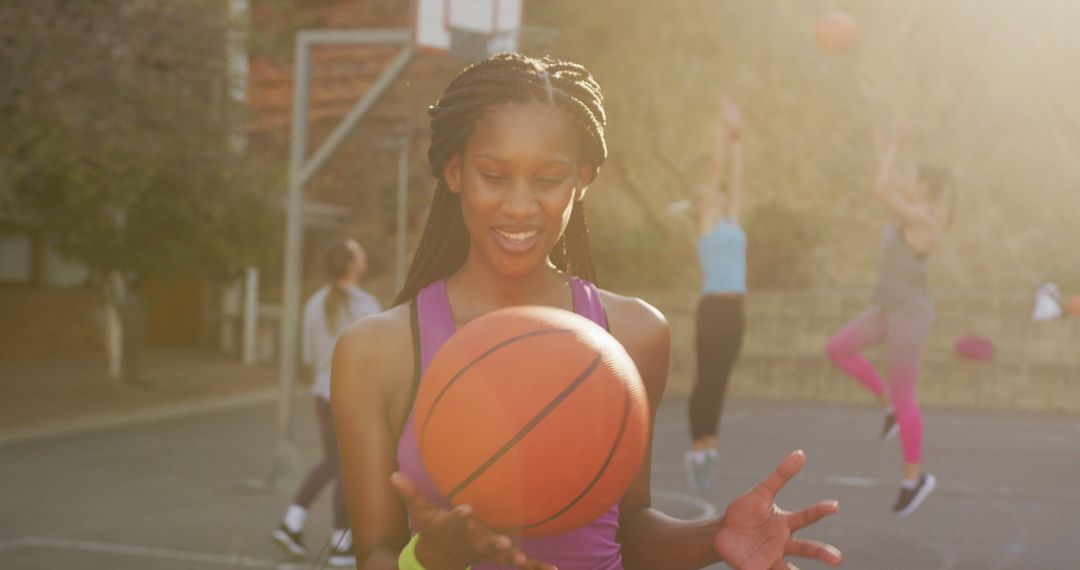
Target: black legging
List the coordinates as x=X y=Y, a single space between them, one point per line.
x=719 y=338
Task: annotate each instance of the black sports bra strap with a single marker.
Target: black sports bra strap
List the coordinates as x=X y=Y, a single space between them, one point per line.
x=414 y=322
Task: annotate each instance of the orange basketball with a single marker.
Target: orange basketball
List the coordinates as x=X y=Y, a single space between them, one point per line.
x=534 y=416
x=1072 y=305
x=837 y=32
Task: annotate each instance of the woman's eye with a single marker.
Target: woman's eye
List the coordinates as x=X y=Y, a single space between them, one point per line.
x=551 y=181
x=492 y=177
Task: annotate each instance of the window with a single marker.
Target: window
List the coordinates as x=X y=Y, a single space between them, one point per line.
x=16 y=259
x=59 y=271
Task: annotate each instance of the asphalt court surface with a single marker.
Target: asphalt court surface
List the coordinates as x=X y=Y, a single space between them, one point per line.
x=176 y=494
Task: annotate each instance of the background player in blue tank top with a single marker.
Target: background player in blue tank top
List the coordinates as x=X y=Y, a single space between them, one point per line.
x=720 y=313
x=515 y=144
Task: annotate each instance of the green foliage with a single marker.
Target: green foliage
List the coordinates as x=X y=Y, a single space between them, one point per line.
x=1067 y=277
x=641 y=256
x=160 y=211
x=129 y=168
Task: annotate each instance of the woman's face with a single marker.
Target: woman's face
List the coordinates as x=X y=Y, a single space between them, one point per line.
x=913 y=188
x=518 y=177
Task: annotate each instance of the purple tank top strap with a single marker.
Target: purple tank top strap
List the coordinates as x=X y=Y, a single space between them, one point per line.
x=435 y=319
x=587 y=301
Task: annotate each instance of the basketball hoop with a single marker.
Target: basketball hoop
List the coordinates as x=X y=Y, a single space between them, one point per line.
x=468 y=29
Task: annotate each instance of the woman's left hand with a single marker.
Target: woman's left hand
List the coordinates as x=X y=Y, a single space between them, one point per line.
x=756 y=534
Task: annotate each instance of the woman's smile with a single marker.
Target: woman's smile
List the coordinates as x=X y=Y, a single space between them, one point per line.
x=516 y=240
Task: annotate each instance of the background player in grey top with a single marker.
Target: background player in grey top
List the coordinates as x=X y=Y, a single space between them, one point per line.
x=327 y=313
x=903 y=311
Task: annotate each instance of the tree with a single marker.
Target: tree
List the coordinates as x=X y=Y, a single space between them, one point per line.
x=116 y=141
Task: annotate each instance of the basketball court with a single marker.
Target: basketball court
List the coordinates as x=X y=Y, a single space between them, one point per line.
x=187 y=493
x=174 y=494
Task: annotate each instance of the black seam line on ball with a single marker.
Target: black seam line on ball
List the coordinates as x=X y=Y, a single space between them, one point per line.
x=600 y=473
x=528 y=427
x=464 y=369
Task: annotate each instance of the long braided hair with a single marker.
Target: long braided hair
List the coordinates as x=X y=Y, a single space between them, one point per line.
x=503 y=78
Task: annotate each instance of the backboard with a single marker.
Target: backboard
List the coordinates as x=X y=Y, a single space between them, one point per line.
x=472 y=29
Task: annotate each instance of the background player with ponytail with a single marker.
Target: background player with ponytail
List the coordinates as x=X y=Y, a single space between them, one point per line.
x=332 y=308
x=903 y=312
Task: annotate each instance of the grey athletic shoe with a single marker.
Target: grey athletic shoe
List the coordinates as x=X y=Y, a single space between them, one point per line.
x=699 y=470
x=892 y=427
x=910 y=499
x=289 y=541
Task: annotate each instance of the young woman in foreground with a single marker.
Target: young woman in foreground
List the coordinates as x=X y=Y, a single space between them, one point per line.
x=515 y=144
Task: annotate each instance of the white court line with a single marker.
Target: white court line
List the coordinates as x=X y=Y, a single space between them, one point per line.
x=137 y=417
x=852 y=481
x=147 y=552
x=948 y=559
x=708 y=510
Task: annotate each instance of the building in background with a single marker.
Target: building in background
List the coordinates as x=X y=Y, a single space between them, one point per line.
x=51 y=306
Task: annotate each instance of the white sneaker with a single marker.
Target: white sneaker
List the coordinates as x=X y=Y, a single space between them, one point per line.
x=291 y=542
x=699 y=469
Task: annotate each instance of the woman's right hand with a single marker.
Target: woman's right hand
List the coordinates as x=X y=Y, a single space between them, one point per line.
x=452 y=539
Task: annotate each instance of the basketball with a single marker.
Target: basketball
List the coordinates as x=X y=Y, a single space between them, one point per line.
x=535 y=417
x=837 y=32
x=1072 y=306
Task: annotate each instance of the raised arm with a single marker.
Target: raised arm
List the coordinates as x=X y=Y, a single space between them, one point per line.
x=731 y=119
x=722 y=193
x=734 y=184
x=712 y=191
x=886 y=192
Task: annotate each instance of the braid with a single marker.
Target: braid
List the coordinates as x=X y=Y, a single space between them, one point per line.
x=573 y=254
x=444 y=243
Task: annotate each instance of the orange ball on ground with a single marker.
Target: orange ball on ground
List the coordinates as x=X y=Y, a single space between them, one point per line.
x=1072 y=306
x=837 y=32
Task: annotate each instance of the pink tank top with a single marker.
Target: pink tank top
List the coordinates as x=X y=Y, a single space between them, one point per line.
x=592 y=547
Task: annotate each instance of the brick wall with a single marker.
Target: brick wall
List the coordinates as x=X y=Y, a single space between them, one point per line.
x=340 y=74
x=1036 y=365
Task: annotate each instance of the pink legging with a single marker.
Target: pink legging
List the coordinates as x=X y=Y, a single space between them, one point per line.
x=903 y=332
